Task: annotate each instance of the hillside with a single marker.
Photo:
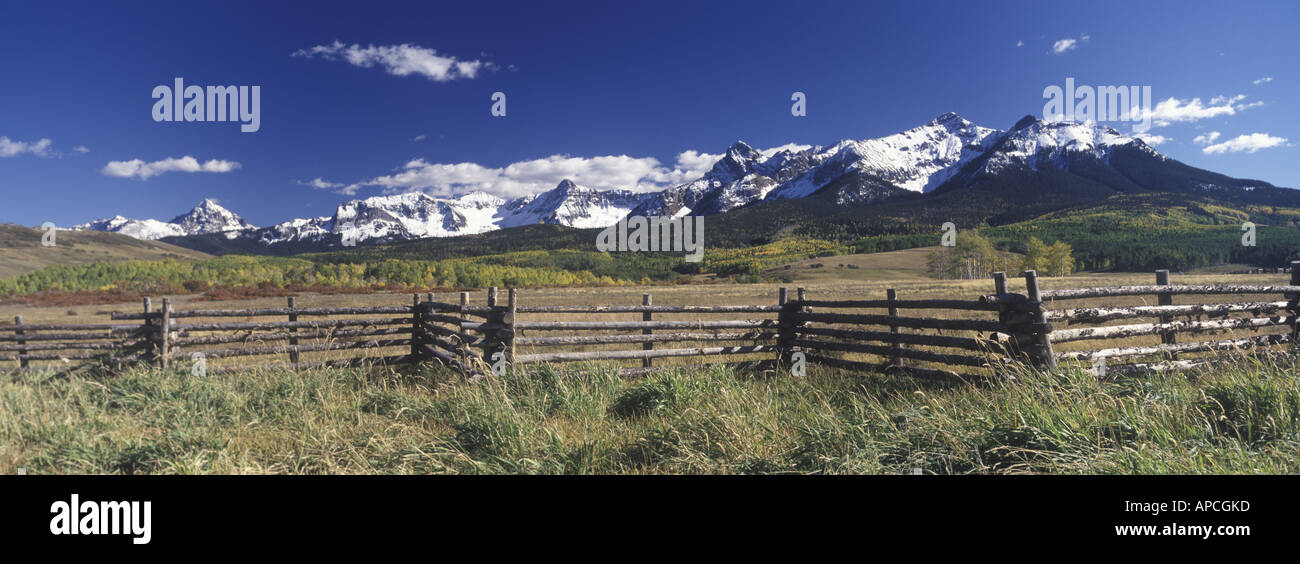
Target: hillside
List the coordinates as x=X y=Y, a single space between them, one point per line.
x=21 y=251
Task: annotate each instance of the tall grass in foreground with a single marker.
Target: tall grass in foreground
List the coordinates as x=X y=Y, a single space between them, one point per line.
x=1240 y=416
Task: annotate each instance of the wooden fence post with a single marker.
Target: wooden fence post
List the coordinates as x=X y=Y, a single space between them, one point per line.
x=508 y=320
x=416 y=333
x=1042 y=338
x=293 y=341
x=22 y=351
x=151 y=350
x=647 y=316
x=492 y=296
x=164 y=333
x=1170 y=337
x=1294 y=306
x=785 y=334
x=896 y=359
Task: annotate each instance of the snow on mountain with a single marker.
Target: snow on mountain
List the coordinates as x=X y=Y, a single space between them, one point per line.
x=207 y=217
x=741 y=176
x=210 y=217
x=1033 y=142
x=139 y=228
x=919 y=159
x=571 y=205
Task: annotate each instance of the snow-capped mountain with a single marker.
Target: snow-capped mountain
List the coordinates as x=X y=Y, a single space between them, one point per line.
x=1034 y=158
x=571 y=205
x=207 y=217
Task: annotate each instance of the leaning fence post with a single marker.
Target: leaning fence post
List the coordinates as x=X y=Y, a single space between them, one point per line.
x=1000 y=289
x=293 y=341
x=1164 y=299
x=22 y=343
x=646 y=315
x=896 y=358
x=1294 y=306
x=1041 y=335
x=164 y=333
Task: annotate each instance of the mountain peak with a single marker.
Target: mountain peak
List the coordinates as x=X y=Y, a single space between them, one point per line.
x=949 y=117
x=210 y=217
x=566 y=185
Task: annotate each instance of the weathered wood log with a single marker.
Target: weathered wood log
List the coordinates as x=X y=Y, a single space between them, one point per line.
x=467 y=338
x=1116 y=291
x=1102 y=314
x=1004 y=299
x=651 y=309
x=909 y=322
x=599 y=325
x=1142 y=369
x=52 y=356
x=74 y=346
x=902 y=304
x=106 y=336
x=1041 y=353
x=965 y=343
x=286 y=336
x=654 y=338
x=312 y=347
x=338 y=363
x=887 y=352
x=1123 y=331
x=279 y=312
x=639 y=354
x=262 y=325
x=1260 y=341
x=28 y=327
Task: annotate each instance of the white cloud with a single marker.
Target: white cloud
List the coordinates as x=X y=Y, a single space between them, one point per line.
x=81 y=149
x=1173 y=110
x=641 y=174
x=139 y=169
x=1152 y=139
x=1248 y=143
x=1020 y=44
x=1263 y=80
x=419 y=137
x=1207 y=138
x=10 y=148
x=1064 y=45
x=399 y=60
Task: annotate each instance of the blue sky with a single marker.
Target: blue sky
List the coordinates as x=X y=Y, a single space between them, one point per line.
x=614 y=93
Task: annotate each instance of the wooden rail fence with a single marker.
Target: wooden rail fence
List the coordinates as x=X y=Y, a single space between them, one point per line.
x=923 y=337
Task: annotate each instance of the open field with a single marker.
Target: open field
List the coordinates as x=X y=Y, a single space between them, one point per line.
x=1242 y=417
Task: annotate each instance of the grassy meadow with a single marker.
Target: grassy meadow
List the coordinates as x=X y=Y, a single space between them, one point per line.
x=1241 y=417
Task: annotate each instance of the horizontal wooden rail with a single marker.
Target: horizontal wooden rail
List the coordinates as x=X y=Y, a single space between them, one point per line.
x=909 y=322
x=1100 y=314
x=1116 y=291
x=313 y=347
x=599 y=325
x=284 y=336
x=255 y=325
x=1123 y=331
x=265 y=312
x=1202 y=346
x=639 y=354
x=61 y=337
x=74 y=346
x=650 y=309
x=337 y=363
x=966 y=343
x=652 y=338
x=884 y=351
x=900 y=304
x=67 y=327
